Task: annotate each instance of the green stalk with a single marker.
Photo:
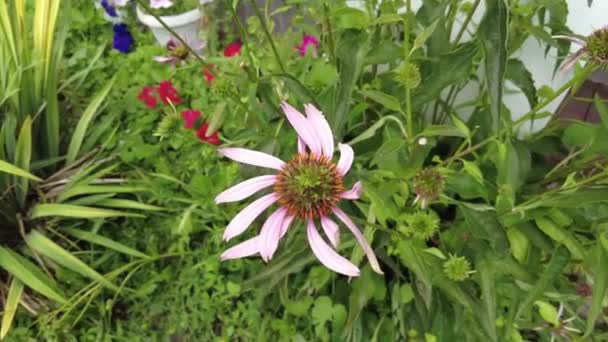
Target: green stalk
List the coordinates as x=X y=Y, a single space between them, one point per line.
x=330 y=35
x=173 y=33
x=268 y=35
x=244 y=38
x=406 y=51
x=587 y=70
x=467 y=20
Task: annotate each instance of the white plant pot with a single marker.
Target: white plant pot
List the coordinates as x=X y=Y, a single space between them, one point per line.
x=186 y=25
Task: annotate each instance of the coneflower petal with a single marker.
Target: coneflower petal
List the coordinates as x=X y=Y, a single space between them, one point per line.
x=327 y=256
x=371 y=256
x=245 y=189
x=271 y=234
x=243 y=249
x=301 y=146
x=243 y=219
x=286 y=222
x=346 y=158
x=321 y=127
x=252 y=157
x=303 y=127
x=331 y=230
x=354 y=193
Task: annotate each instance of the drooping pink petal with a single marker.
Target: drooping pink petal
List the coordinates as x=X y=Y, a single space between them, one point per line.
x=371 y=256
x=301 y=146
x=574 y=40
x=354 y=193
x=327 y=256
x=270 y=234
x=286 y=222
x=571 y=60
x=303 y=127
x=243 y=249
x=252 y=157
x=331 y=230
x=243 y=219
x=346 y=158
x=245 y=189
x=321 y=127
x=164 y=59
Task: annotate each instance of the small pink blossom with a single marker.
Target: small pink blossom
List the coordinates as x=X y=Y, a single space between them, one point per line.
x=307 y=41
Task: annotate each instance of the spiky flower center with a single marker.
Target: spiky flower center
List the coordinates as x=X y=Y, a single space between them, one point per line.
x=309 y=186
x=597 y=45
x=180 y=51
x=428 y=183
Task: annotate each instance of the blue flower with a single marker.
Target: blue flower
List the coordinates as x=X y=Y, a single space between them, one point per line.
x=110 y=10
x=123 y=41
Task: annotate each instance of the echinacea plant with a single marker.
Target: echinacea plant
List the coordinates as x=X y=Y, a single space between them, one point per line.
x=308 y=187
x=178 y=53
x=593 y=48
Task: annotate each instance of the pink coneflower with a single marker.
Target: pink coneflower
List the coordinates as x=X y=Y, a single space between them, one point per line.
x=307 y=187
x=178 y=52
x=307 y=41
x=593 y=48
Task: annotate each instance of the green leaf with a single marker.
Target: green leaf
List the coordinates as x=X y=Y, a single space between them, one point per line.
x=485 y=225
x=494 y=36
x=442 y=131
x=548 y=312
x=559 y=260
x=97 y=189
x=127 y=204
x=488 y=293
x=322 y=310
x=53 y=251
x=13 y=170
x=520 y=76
x=351 y=53
x=562 y=236
x=85 y=120
x=10 y=306
x=23 y=157
x=29 y=274
x=298 y=308
x=519 y=244
x=600 y=286
x=350 y=18
x=384 y=99
x=422 y=37
x=446 y=70
x=371 y=130
x=103 y=241
x=298 y=89
x=387 y=19
x=75 y=211
x=602 y=109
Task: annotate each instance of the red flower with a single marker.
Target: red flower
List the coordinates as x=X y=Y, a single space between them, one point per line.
x=208 y=75
x=146 y=95
x=167 y=93
x=190 y=116
x=232 y=49
x=213 y=139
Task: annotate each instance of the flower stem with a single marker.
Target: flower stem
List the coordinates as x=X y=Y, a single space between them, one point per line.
x=406 y=51
x=587 y=70
x=330 y=35
x=173 y=33
x=466 y=22
x=268 y=35
x=244 y=37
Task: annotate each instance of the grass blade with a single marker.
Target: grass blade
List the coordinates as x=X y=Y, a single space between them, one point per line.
x=23 y=157
x=127 y=204
x=103 y=241
x=10 y=307
x=75 y=211
x=600 y=285
x=13 y=170
x=85 y=120
x=29 y=274
x=53 y=251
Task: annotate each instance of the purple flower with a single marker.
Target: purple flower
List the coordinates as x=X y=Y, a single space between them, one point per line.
x=123 y=41
x=110 y=10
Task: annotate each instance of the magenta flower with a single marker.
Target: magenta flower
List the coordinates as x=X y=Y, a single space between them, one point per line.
x=307 y=187
x=307 y=41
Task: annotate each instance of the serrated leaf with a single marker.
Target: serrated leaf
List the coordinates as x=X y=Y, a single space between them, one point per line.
x=424 y=35
x=520 y=76
x=599 y=289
